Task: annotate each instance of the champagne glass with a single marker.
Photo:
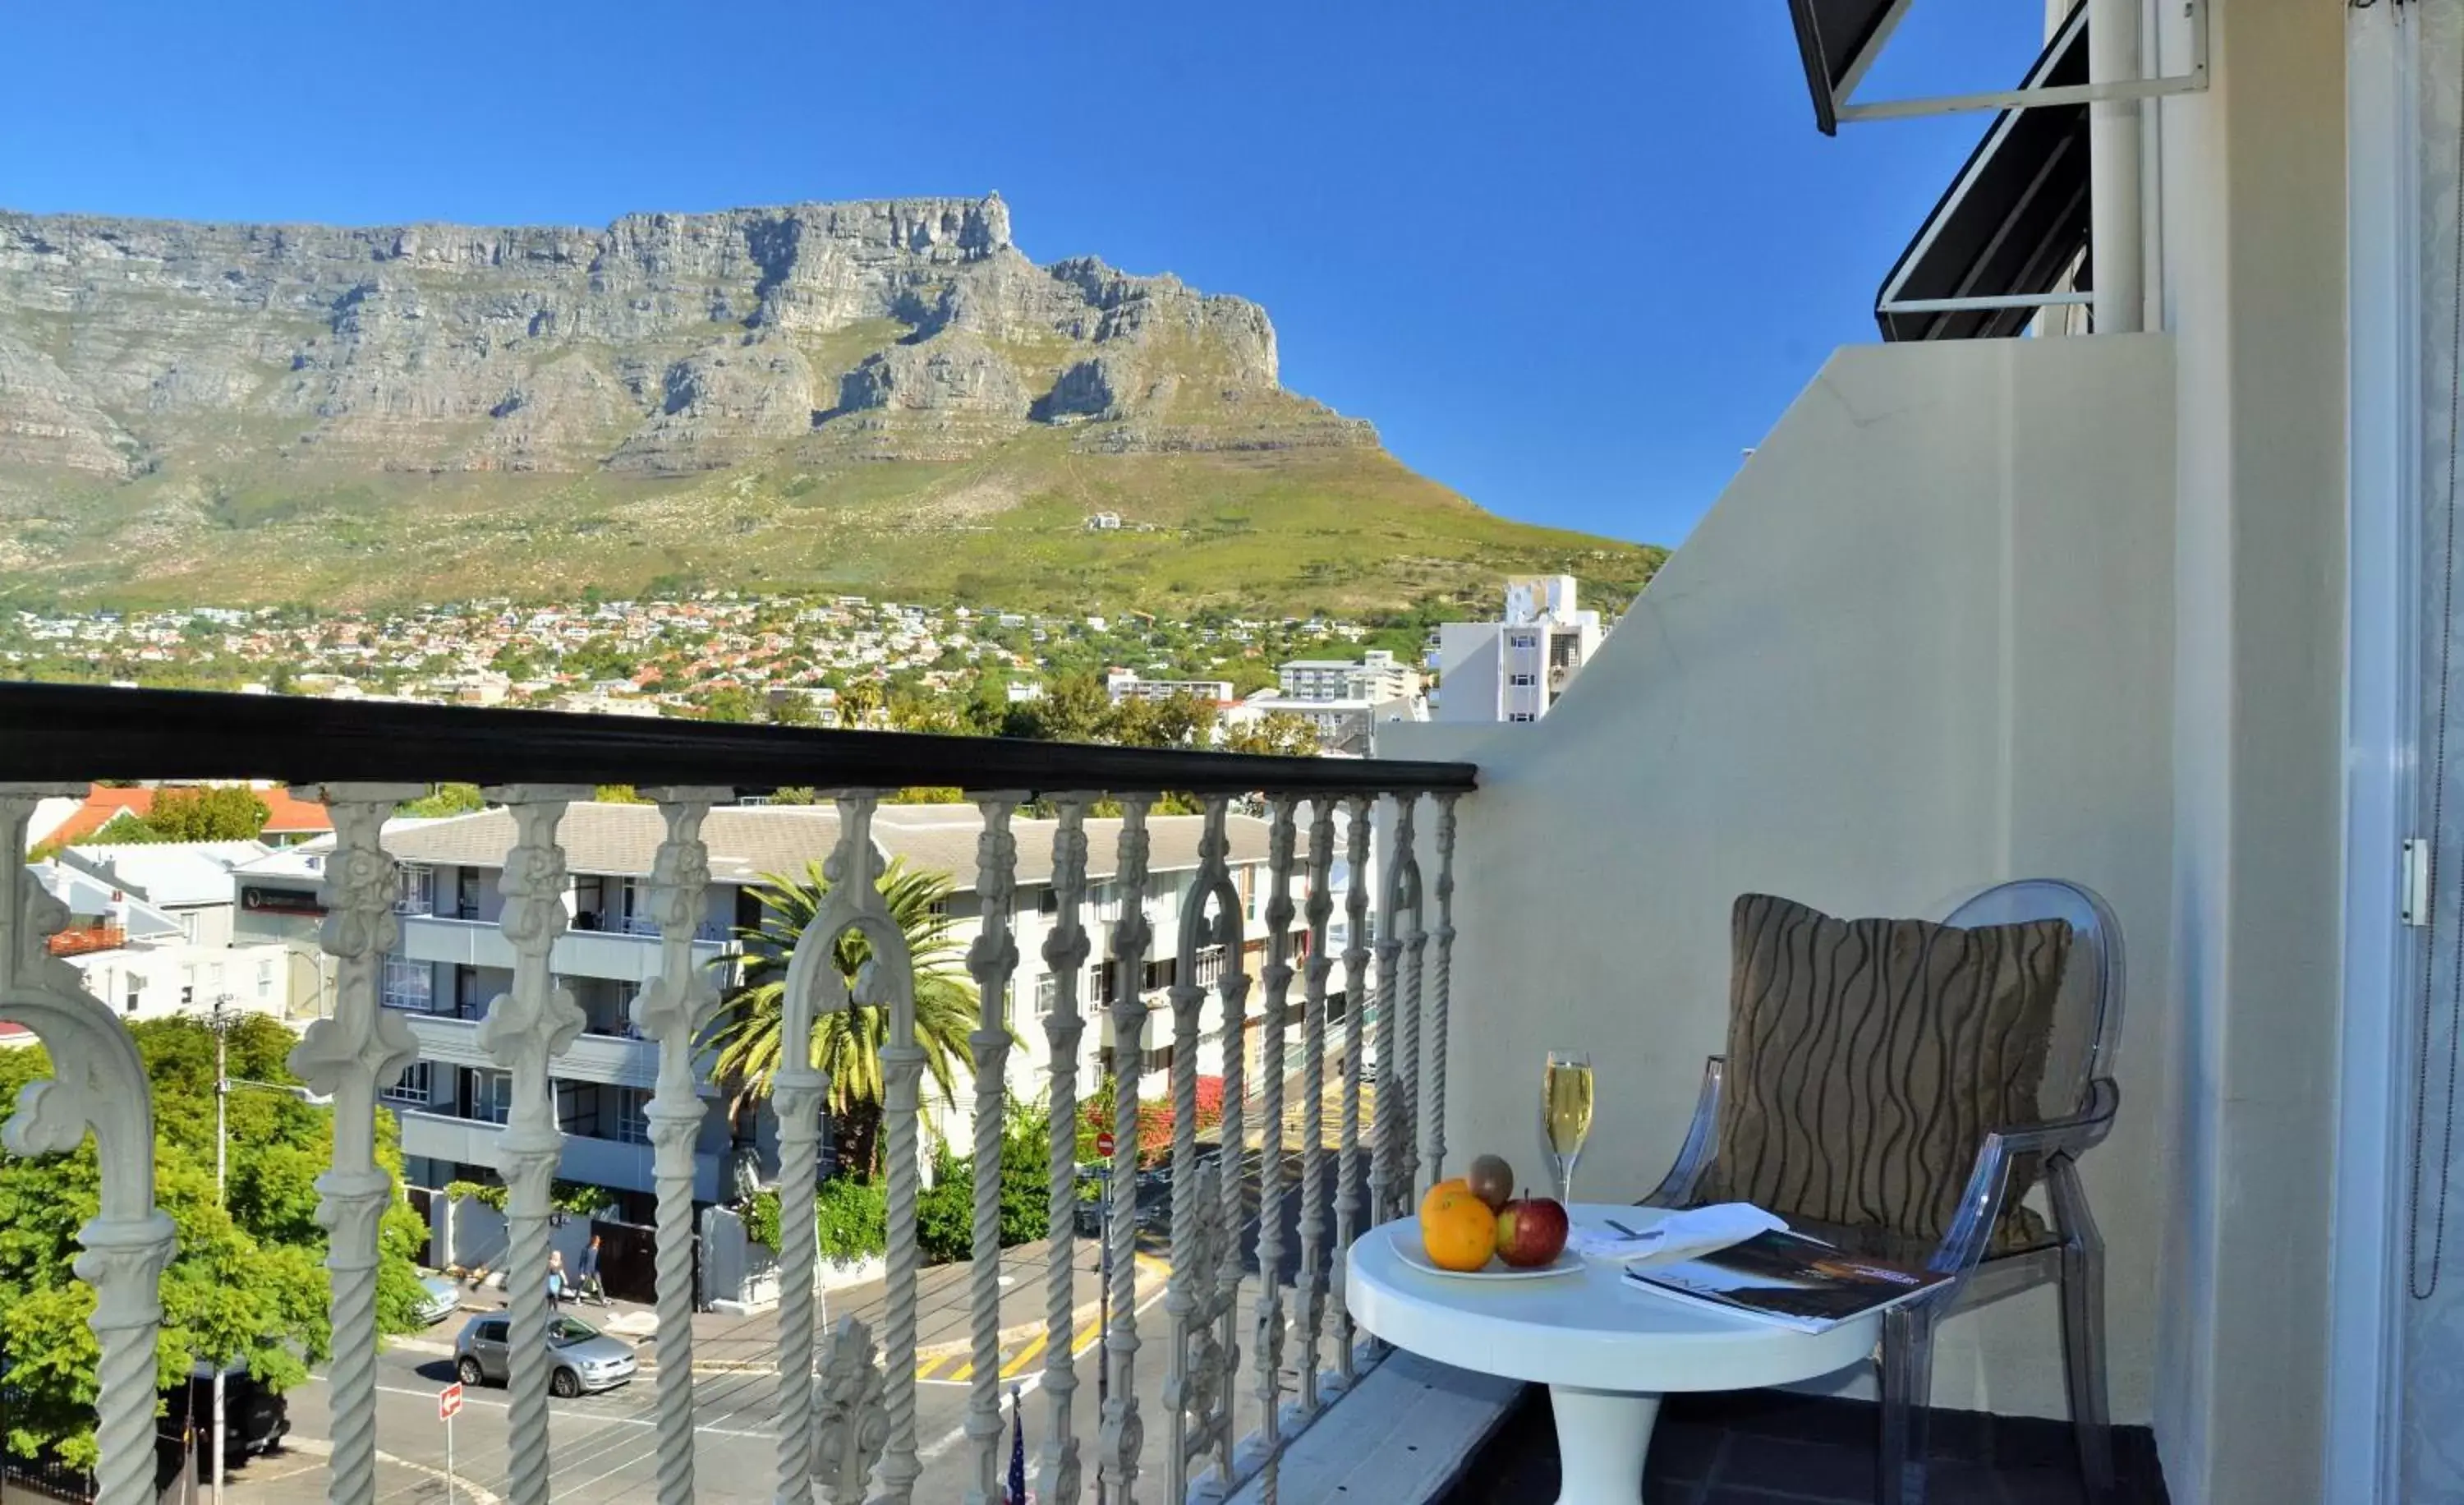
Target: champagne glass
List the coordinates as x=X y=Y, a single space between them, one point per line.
x=1566 y=1114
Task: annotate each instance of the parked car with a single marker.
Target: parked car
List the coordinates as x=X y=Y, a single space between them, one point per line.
x=255 y=1419
x=441 y=1296
x=586 y=1360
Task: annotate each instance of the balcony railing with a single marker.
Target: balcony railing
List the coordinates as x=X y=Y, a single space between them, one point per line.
x=846 y=1406
x=78 y=940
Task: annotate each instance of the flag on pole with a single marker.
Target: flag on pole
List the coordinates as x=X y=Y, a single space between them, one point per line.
x=1016 y=1492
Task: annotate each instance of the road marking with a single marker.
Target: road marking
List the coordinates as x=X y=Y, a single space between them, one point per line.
x=579 y=1415
x=926 y=1369
x=1023 y=1357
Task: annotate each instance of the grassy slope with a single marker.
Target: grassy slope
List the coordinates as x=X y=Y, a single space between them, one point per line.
x=1345 y=530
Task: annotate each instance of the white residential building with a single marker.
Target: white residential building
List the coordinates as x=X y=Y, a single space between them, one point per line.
x=1376 y=677
x=452 y=959
x=1124 y=684
x=1516 y=667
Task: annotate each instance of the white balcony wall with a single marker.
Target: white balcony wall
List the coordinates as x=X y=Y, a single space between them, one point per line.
x=601 y=1163
x=613 y=1060
x=1923 y=643
x=630 y=960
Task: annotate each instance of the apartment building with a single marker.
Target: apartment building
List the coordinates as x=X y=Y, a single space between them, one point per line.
x=145 y=959
x=1126 y=684
x=1375 y=678
x=1516 y=667
x=451 y=959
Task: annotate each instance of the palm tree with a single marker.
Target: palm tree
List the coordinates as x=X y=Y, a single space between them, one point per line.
x=846 y=1043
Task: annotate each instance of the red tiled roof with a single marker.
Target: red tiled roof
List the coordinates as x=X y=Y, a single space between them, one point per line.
x=287 y=814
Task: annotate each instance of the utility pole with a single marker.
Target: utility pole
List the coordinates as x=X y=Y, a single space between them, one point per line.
x=222 y=1156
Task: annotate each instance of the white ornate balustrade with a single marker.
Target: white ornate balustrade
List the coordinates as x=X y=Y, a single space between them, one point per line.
x=845 y=1398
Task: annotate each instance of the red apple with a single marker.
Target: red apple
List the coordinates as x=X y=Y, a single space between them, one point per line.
x=1530 y=1231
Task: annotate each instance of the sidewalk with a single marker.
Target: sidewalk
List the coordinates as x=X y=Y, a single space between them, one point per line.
x=944 y=1313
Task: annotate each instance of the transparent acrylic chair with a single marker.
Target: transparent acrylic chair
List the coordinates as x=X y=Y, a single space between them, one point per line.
x=1980 y=1248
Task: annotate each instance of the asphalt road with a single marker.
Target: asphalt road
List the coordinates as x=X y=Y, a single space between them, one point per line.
x=605 y=1448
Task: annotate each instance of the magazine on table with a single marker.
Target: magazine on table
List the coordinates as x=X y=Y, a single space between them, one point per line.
x=1787 y=1279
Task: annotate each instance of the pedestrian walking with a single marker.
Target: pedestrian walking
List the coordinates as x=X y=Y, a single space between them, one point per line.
x=556 y=1277
x=591 y=1288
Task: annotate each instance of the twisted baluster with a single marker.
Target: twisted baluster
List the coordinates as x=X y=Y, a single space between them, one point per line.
x=1405 y=1101
x=1441 y=989
x=902 y=1068
x=671 y=1008
x=1278 y=980
x=1065 y=958
x=1188 y=1299
x=991 y=960
x=1233 y=1141
x=1310 y=1289
x=1357 y=994
x=1123 y=1434
x=98 y=1083
x=1386 y=1155
x=352 y=1056
x=525 y=1028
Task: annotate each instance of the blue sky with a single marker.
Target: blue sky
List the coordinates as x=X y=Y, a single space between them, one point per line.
x=1572 y=259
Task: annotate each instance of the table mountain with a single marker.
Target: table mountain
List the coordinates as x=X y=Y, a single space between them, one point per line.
x=799 y=393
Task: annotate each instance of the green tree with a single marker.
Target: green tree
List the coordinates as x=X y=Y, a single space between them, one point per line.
x=619 y=795
x=449 y=799
x=215 y=812
x=1072 y=709
x=846 y=1043
x=731 y=703
x=795 y=710
x=1275 y=732
x=247 y=1283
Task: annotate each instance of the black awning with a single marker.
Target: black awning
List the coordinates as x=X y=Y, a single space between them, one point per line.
x=2012 y=222
x=1838 y=38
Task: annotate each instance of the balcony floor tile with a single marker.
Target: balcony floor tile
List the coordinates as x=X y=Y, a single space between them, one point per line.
x=1777 y=1449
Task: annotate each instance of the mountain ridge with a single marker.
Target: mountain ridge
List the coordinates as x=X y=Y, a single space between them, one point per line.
x=177 y=398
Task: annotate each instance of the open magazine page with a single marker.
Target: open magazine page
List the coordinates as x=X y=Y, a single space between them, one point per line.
x=1789 y=1279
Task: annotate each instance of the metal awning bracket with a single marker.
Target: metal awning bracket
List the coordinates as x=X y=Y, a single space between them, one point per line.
x=2195 y=82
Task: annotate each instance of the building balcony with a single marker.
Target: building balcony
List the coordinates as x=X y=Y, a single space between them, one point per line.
x=85 y=940
x=619 y=956
x=613 y=1060
x=623 y=1164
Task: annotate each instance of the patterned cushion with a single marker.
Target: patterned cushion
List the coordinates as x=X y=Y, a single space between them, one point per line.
x=1869 y=1058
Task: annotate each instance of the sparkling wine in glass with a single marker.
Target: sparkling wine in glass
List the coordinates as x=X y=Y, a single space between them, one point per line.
x=1566 y=1114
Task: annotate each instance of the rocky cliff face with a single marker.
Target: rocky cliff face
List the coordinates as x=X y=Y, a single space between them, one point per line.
x=663 y=344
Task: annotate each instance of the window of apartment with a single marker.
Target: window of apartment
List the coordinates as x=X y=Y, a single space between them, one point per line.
x=1047 y=994
x=576 y=1107
x=408 y=983
x=264 y=980
x=1522 y=716
x=488 y=1095
x=414 y=891
x=1047 y=900
x=1161 y=973
x=1524 y=640
x=633 y=1114
x=1159 y=1059
x=1104 y=901
x=417 y=1084
x=466 y=992
x=1521 y=680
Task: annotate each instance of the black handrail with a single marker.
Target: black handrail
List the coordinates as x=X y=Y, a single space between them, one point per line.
x=54 y=733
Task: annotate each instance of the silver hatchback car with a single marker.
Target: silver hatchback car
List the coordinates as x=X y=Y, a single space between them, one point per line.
x=587 y=1360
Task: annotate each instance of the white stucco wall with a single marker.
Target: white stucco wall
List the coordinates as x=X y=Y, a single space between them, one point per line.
x=1923 y=643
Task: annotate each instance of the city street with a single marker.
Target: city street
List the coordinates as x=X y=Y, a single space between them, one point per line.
x=605 y=1447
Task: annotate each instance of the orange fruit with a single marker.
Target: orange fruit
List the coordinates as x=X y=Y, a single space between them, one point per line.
x=1456 y=1230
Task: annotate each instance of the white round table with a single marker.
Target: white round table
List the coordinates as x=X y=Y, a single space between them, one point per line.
x=1607 y=1349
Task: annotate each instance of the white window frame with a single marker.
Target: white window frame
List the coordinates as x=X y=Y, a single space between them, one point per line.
x=491 y=1093
x=416 y=1085
x=1047 y=994
x=397 y=991
x=633 y=1114
x=264 y=980
x=414 y=889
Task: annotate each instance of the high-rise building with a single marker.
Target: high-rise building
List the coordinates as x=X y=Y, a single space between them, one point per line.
x=1513 y=669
